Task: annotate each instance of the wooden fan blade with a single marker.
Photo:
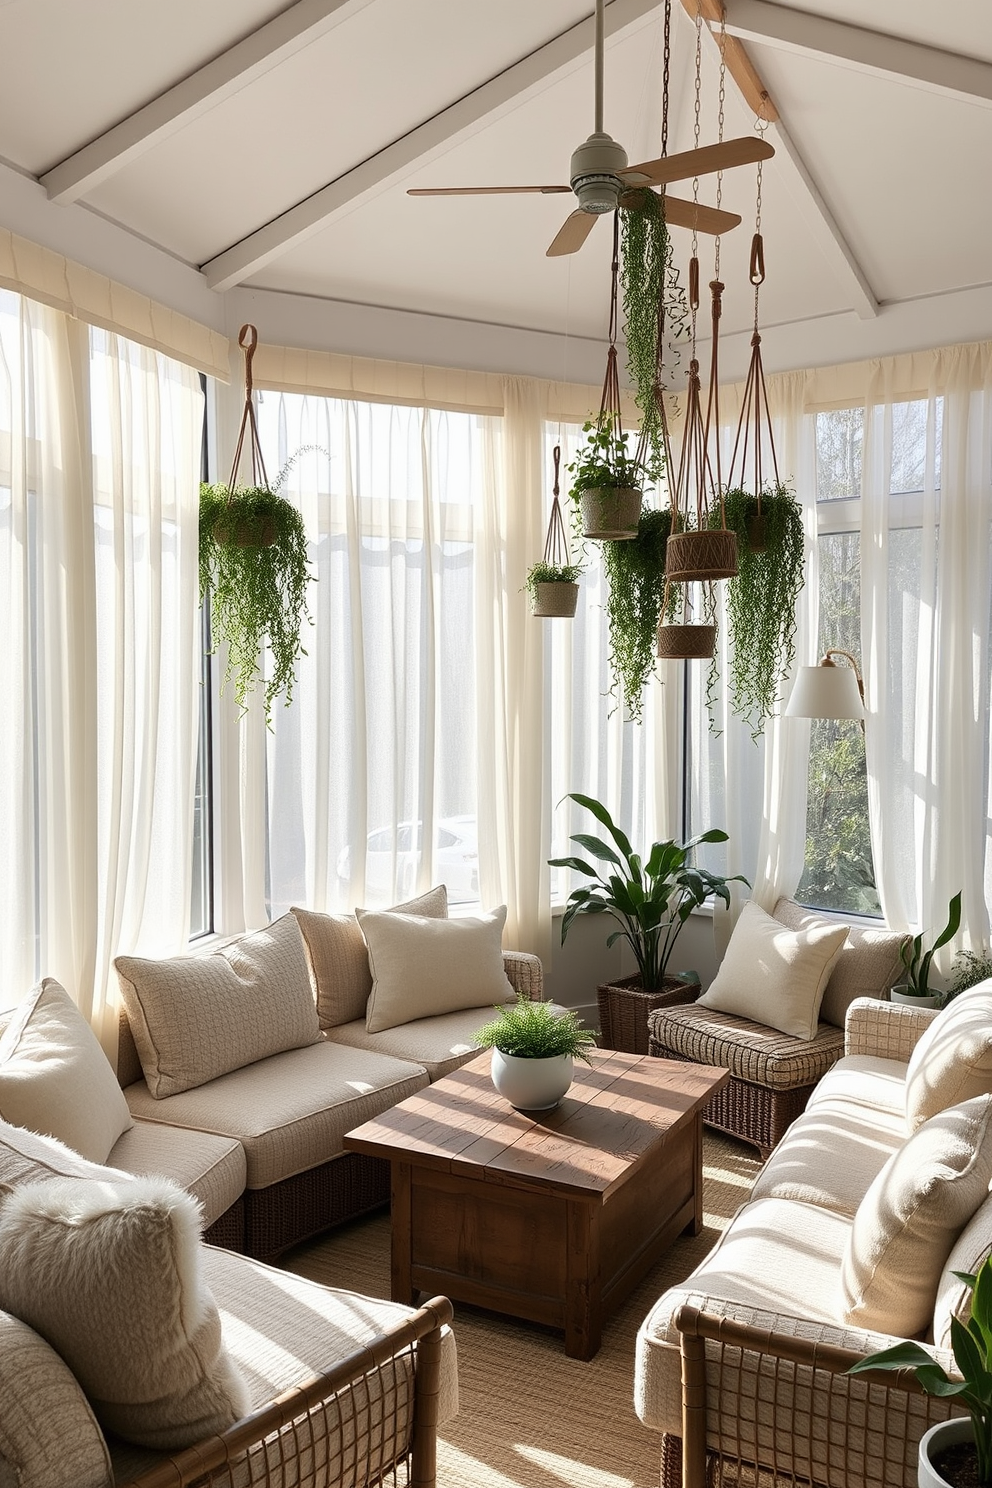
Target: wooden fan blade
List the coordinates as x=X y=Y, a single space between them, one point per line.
x=482 y=190
x=698 y=217
x=572 y=234
x=744 y=151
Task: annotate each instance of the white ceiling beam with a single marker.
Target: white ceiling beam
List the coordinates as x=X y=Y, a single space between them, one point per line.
x=293 y=226
x=258 y=53
x=790 y=30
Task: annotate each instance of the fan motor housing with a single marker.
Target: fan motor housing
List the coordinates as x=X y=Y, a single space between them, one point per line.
x=594 y=173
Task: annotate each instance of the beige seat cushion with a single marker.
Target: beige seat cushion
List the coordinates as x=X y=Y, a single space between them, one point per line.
x=291 y=1111
x=210 y=1167
x=423 y=967
x=868 y=965
x=440 y=1044
x=874 y=1083
x=775 y=976
x=751 y=1051
x=110 y=1274
x=911 y=1216
x=834 y=1152
x=339 y=959
x=56 y=1079
x=953 y=1060
x=197 y=1017
x=48 y=1433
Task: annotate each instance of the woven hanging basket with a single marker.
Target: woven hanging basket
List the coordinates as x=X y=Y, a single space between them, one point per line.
x=610 y=512
x=243 y=532
x=555 y=601
x=692 y=556
x=686 y=642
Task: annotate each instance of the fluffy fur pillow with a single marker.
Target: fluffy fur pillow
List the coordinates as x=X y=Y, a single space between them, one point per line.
x=109 y=1274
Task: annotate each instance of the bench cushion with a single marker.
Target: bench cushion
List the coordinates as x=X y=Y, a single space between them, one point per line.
x=751 y=1051
x=440 y=1044
x=834 y=1151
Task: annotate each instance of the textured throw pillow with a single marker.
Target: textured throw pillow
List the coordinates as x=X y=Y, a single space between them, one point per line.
x=422 y=967
x=773 y=975
x=910 y=1218
x=56 y=1079
x=969 y=1251
x=953 y=1060
x=109 y=1274
x=868 y=965
x=48 y=1434
x=339 y=957
x=26 y=1157
x=197 y=1017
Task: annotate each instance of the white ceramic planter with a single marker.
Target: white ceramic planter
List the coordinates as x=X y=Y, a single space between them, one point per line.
x=944 y=1434
x=531 y=1084
x=899 y=994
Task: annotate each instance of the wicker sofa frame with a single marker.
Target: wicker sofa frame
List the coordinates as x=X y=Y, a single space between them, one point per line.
x=328 y=1431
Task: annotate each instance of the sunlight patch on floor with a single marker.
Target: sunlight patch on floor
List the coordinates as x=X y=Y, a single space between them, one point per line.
x=459 y=1465
x=570 y=1471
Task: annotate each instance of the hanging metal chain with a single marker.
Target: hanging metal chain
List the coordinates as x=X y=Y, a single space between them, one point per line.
x=665 y=73
x=720 y=125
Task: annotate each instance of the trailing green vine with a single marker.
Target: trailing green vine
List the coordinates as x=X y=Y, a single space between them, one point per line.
x=761 y=600
x=647 y=271
x=635 y=574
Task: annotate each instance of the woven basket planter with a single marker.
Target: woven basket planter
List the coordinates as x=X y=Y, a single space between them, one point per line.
x=610 y=512
x=686 y=642
x=693 y=556
x=244 y=532
x=555 y=601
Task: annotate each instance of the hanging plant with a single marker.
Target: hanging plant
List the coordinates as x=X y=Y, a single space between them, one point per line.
x=635 y=576
x=553 y=583
x=254 y=567
x=761 y=600
x=653 y=299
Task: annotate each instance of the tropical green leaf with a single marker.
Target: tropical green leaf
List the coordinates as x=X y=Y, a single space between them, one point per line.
x=906 y=1355
x=576 y=865
x=605 y=819
x=598 y=848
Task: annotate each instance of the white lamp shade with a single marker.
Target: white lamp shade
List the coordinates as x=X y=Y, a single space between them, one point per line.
x=825 y=692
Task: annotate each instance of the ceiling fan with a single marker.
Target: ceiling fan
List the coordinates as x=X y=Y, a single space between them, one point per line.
x=600 y=176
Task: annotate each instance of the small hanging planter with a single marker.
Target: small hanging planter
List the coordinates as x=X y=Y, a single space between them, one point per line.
x=555 y=600
x=686 y=642
x=698 y=556
x=553 y=583
x=610 y=513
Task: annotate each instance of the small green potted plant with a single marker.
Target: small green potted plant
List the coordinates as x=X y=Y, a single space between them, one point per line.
x=553 y=589
x=534 y=1045
x=606 y=482
x=972 y=1347
x=917 y=963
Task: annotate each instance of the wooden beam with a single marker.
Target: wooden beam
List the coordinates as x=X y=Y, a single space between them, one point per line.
x=256 y=54
x=739 y=64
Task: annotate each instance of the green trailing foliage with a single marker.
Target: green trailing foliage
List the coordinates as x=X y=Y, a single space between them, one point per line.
x=536 y=1030
x=651 y=900
x=254 y=570
x=970 y=968
x=647 y=272
x=761 y=600
x=635 y=576
x=551 y=573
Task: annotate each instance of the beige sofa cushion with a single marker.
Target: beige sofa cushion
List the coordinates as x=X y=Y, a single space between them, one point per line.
x=423 y=967
x=291 y=1111
x=197 y=1017
x=110 y=1274
x=953 y=1060
x=48 y=1433
x=211 y=1168
x=773 y=975
x=439 y=1044
x=339 y=959
x=874 y=1084
x=911 y=1216
x=834 y=1152
x=868 y=965
x=56 y=1079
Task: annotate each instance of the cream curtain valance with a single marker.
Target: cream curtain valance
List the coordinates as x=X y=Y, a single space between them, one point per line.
x=42 y=274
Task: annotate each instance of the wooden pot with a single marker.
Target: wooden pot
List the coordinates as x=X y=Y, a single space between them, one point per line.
x=610 y=512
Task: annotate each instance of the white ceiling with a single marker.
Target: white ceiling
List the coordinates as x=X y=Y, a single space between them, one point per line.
x=271 y=165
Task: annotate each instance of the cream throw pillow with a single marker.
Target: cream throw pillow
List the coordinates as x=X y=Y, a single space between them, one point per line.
x=339 y=959
x=868 y=965
x=910 y=1217
x=953 y=1060
x=422 y=967
x=55 y=1077
x=970 y=1249
x=197 y=1017
x=773 y=975
x=48 y=1433
x=109 y=1274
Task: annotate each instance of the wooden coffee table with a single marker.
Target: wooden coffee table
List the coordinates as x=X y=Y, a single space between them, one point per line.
x=554 y=1216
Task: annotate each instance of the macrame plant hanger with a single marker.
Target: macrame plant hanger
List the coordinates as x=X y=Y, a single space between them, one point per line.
x=229 y=530
x=555 y=599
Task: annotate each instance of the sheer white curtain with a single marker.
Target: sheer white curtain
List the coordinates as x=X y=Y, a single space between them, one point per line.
x=926 y=585
x=99 y=451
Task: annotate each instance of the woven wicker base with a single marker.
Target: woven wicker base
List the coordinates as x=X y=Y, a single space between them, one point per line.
x=229 y=1230
x=624 y=1008
x=692 y=556
x=686 y=642
x=300 y=1207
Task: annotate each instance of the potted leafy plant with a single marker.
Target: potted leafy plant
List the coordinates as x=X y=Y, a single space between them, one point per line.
x=534 y=1045
x=649 y=899
x=970 y=968
x=761 y=599
x=972 y=1348
x=606 y=481
x=635 y=577
x=553 y=589
x=917 y=963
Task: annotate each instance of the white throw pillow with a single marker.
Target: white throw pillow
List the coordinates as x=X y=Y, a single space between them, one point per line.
x=953 y=1060
x=48 y=1433
x=773 y=975
x=339 y=959
x=422 y=967
x=109 y=1274
x=55 y=1077
x=910 y=1218
x=868 y=965
x=197 y=1017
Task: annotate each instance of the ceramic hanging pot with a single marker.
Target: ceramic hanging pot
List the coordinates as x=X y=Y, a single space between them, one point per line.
x=696 y=556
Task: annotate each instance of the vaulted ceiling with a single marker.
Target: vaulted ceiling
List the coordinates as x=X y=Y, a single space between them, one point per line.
x=260 y=154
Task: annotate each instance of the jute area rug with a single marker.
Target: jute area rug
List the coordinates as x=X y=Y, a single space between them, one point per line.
x=529 y=1416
